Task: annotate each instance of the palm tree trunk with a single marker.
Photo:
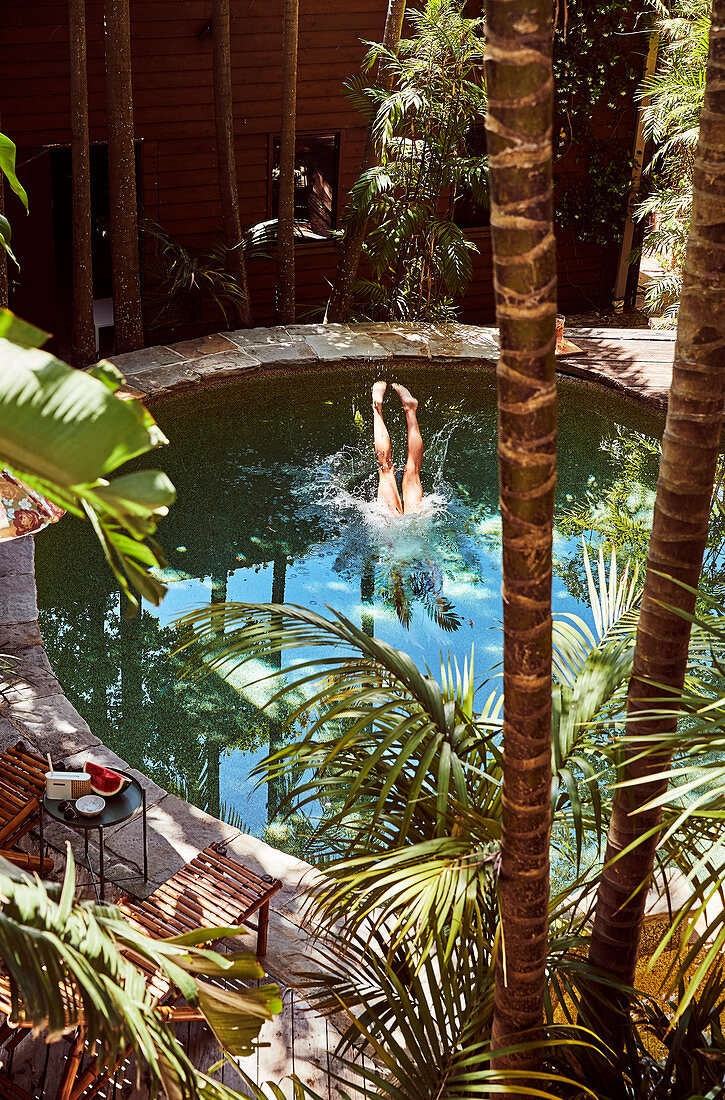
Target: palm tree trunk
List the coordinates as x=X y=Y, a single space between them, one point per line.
x=226 y=160
x=351 y=247
x=286 y=213
x=679 y=534
x=127 y=312
x=83 y=348
x=3 y=257
x=519 y=37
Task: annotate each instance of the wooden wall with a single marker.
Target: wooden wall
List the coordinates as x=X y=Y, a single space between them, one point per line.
x=172 y=80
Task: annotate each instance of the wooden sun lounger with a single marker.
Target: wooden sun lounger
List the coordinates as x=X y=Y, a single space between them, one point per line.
x=212 y=889
x=22 y=785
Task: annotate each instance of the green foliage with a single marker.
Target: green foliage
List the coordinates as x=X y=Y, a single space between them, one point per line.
x=65 y=963
x=673 y=98
x=407 y=773
x=7 y=168
x=596 y=68
x=420 y=259
x=183 y=282
x=62 y=431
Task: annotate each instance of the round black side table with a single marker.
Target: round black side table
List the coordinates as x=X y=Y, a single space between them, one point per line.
x=118 y=808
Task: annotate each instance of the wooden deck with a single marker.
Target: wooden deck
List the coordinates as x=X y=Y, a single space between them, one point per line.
x=637 y=362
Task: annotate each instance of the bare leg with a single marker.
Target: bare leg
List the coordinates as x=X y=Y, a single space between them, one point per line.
x=412 y=488
x=387 y=487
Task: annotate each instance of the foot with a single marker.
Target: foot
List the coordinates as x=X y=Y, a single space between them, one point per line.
x=378 y=394
x=406 y=398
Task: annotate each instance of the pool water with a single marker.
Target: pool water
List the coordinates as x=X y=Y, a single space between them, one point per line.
x=276 y=481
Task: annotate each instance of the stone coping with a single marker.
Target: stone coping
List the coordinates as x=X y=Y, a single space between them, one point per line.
x=155 y=372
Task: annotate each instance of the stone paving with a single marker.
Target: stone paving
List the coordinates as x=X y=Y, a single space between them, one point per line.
x=636 y=362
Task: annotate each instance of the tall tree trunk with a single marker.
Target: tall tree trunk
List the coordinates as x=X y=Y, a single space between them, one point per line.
x=519 y=38
x=226 y=160
x=679 y=534
x=351 y=246
x=3 y=257
x=127 y=312
x=286 y=213
x=83 y=345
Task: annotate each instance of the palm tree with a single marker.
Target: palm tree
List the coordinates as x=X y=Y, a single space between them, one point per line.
x=409 y=777
x=127 y=311
x=286 y=215
x=226 y=159
x=83 y=340
x=679 y=535
x=519 y=37
x=351 y=247
x=66 y=966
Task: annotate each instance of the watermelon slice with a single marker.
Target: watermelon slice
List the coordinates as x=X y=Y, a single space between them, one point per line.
x=105 y=781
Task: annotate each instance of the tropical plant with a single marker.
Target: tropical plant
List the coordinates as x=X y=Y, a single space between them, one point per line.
x=68 y=964
x=688 y=465
x=428 y=93
x=64 y=431
x=404 y=775
x=520 y=87
x=671 y=112
x=182 y=281
x=7 y=169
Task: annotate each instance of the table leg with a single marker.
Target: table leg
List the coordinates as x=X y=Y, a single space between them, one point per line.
x=145 y=838
x=103 y=873
x=41 y=807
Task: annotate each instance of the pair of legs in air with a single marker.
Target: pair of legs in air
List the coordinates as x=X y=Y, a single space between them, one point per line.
x=387 y=487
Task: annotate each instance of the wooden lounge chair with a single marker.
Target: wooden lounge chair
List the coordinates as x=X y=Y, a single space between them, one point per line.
x=22 y=785
x=212 y=889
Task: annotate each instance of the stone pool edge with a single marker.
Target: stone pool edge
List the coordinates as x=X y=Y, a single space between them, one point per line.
x=34 y=709
x=167 y=369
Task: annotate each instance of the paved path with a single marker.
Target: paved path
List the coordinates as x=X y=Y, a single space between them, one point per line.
x=637 y=362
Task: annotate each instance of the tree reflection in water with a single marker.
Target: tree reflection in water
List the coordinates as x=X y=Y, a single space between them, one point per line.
x=276 y=480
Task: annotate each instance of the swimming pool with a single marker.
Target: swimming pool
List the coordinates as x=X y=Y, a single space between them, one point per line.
x=276 y=485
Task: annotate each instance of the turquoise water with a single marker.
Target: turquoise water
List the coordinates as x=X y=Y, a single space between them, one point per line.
x=276 y=485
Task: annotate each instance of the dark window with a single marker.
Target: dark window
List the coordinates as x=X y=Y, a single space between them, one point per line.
x=468 y=213
x=316 y=168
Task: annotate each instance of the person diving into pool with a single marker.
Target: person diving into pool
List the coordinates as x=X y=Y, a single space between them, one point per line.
x=387 y=486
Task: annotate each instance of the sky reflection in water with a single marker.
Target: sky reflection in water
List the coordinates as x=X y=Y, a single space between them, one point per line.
x=276 y=482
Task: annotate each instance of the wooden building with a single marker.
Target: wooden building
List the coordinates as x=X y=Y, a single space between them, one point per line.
x=175 y=145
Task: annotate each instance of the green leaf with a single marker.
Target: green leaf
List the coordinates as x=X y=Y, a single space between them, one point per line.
x=15 y=330
x=62 y=425
x=5 y=235
x=7 y=167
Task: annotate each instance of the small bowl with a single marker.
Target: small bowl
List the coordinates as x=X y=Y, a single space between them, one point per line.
x=90 y=805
